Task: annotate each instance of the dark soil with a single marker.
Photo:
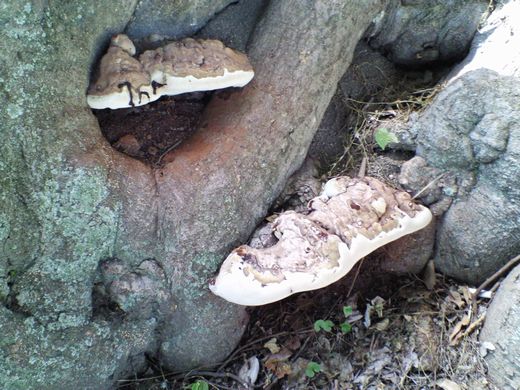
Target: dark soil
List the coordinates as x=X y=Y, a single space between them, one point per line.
x=148 y=132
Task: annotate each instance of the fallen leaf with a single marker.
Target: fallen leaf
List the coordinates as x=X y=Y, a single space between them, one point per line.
x=128 y=144
x=249 y=371
x=278 y=363
x=283 y=355
x=382 y=325
x=356 y=316
x=447 y=384
x=456 y=333
x=456 y=298
x=466 y=294
x=272 y=346
x=293 y=343
x=271 y=218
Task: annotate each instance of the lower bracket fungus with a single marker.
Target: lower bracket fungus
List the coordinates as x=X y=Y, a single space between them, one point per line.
x=189 y=65
x=350 y=219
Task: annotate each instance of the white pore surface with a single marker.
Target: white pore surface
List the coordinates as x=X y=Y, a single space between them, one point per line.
x=120 y=99
x=172 y=86
x=176 y=85
x=234 y=286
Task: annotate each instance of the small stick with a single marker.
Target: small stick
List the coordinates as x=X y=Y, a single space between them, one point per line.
x=362 y=168
x=489 y=280
x=428 y=185
x=168 y=150
x=471 y=327
x=355 y=277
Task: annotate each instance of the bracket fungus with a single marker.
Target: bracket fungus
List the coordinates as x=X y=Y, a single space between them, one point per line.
x=350 y=219
x=189 y=65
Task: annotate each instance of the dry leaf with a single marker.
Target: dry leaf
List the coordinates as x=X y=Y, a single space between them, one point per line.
x=280 y=369
x=466 y=294
x=272 y=346
x=456 y=298
x=456 y=333
x=446 y=384
x=283 y=355
x=249 y=371
x=271 y=218
x=128 y=144
x=293 y=343
x=382 y=325
x=278 y=364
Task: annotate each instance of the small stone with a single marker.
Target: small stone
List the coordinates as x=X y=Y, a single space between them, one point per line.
x=128 y=144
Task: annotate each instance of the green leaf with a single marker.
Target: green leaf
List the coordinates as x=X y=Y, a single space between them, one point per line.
x=347 y=310
x=383 y=137
x=200 y=385
x=345 y=327
x=323 y=325
x=312 y=369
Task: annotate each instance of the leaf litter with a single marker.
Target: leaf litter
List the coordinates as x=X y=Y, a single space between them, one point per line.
x=415 y=338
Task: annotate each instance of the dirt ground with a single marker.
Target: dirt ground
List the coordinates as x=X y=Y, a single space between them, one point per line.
x=149 y=132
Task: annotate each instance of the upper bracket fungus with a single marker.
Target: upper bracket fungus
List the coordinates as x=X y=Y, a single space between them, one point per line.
x=189 y=65
x=350 y=219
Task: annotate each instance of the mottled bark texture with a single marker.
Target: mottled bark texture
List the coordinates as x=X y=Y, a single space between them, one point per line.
x=70 y=203
x=219 y=184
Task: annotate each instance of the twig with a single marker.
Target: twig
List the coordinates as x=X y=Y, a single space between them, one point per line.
x=428 y=185
x=363 y=168
x=167 y=151
x=471 y=327
x=355 y=277
x=489 y=280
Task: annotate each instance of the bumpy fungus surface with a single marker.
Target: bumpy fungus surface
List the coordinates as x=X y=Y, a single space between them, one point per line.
x=185 y=66
x=349 y=220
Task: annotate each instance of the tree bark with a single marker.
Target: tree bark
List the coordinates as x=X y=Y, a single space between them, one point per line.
x=219 y=184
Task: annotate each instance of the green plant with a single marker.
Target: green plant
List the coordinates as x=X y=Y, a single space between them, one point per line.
x=346 y=327
x=323 y=325
x=327 y=325
x=312 y=369
x=383 y=137
x=347 y=310
x=199 y=385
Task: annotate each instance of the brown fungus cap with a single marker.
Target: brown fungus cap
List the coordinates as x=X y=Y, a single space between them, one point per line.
x=189 y=65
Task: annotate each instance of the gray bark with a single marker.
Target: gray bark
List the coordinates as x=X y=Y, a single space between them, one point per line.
x=250 y=142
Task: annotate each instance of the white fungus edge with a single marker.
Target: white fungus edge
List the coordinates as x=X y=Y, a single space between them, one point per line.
x=234 y=286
